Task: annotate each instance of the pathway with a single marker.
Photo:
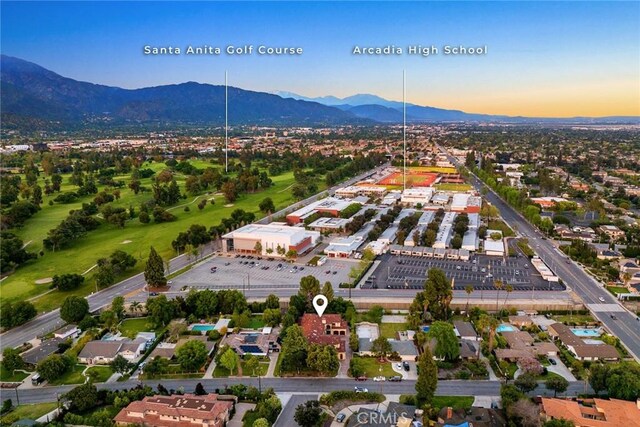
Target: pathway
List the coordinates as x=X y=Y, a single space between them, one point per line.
x=273 y=361
x=210 y=368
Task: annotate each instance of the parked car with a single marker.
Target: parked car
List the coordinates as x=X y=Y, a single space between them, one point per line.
x=361 y=390
x=406 y=366
x=553 y=362
x=340 y=418
x=379 y=378
x=361 y=378
x=396 y=378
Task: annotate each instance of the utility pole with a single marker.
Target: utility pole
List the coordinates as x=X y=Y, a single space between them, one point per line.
x=226 y=124
x=404 y=130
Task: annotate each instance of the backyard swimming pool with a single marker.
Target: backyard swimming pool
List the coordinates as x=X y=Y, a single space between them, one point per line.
x=202 y=327
x=586 y=332
x=505 y=328
x=425 y=328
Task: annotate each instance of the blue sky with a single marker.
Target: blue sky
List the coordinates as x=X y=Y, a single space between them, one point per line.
x=547 y=59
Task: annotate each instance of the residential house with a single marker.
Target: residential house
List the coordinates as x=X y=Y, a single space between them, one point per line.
x=520 y=321
x=41 y=352
x=177 y=411
x=473 y=417
x=465 y=331
x=612 y=231
x=329 y=329
x=104 y=352
x=69 y=331
x=599 y=412
x=579 y=348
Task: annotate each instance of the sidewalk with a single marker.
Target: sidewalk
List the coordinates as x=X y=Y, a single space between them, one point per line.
x=273 y=361
x=209 y=372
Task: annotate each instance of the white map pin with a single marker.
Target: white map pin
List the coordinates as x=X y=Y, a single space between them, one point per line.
x=320 y=303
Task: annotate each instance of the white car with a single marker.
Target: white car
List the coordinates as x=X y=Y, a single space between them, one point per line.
x=361 y=390
x=601 y=299
x=379 y=378
x=399 y=365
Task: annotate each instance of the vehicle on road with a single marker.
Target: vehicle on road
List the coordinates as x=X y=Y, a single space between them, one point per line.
x=601 y=299
x=396 y=378
x=361 y=390
x=340 y=418
x=361 y=378
x=613 y=316
x=379 y=378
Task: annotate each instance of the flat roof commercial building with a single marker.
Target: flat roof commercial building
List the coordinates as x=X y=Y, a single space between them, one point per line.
x=330 y=205
x=494 y=247
x=271 y=237
x=413 y=196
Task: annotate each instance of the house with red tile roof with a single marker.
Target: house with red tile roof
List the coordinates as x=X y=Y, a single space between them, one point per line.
x=329 y=329
x=177 y=411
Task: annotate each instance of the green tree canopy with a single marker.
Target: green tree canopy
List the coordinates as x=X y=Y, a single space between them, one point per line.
x=192 y=355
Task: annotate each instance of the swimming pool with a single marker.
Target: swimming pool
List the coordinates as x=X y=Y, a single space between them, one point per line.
x=426 y=328
x=586 y=332
x=505 y=328
x=202 y=327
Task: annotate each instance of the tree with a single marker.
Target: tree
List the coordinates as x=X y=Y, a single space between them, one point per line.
x=272 y=301
x=200 y=391
x=11 y=359
x=526 y=412
x=121 y=261
x=251 y=364
x=73 y=309
x=557 y=384
x=491 y=323
x=598 y=374
x=154 y=270
x=469 y=290
x=67 y=282
x=156 y=367
x=52 y=367
x=120 y=365
x=117 y=306
x=327 y=291
x=109 y=319
x=309 y=288
x=230 y=191
x=623 y=381
x=229 y=360
x=83 y=397
x=192 y=355
x=356 y=367
x=261 y=422
x=381 y=346
x=270 y=408
x=294 y=349
x=308 y=414
x=323 y=358
x=437 y=294
x=427 y=378
x=160 y=310
x=258 y=248
x=272 y=316
x=267 y=206
x=16 y=314
x=299 y=191
x=446 y=340
x=526 y=382
x=104 y=275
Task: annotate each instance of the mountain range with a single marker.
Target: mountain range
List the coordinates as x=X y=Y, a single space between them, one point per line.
x=34 y=97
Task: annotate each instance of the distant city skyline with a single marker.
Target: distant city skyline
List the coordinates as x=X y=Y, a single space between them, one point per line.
x=546 y=59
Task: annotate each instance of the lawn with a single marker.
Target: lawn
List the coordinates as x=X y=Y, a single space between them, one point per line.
x=134 y=238
x=388 y=330
x=249 y=418
x=11 y=377
x=175 y=371
x=449 y=186
x=32 y=412
x=577 y=319
x=256 y=322
x=102 y=373
x=452 y=401
x=617 y=290
x=72 y=376
x=502 y=226
x=372 y=367
x=261 y=371
x=131 y=327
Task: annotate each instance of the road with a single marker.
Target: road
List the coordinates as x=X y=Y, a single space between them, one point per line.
x=50 y=321
x=597 y=299
x=291 y=385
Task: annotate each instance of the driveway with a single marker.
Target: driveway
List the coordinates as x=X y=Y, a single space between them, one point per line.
x=285 y=419
x=560 y=369
x=241 y=409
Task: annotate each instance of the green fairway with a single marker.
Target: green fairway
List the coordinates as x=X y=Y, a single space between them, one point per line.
x=135 y=238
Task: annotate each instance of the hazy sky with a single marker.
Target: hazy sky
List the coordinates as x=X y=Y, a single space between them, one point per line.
x=544 y=59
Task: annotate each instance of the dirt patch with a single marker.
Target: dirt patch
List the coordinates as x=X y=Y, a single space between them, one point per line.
x=44 y=281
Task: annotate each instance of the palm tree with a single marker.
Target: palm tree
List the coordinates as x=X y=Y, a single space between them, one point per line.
x=468 y=289
x=135 y=306
x=509 y=289
x=498 y=285
x=491 y=323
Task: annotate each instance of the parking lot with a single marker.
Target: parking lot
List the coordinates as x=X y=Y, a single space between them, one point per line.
x=246 y=273
x=407 y=272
